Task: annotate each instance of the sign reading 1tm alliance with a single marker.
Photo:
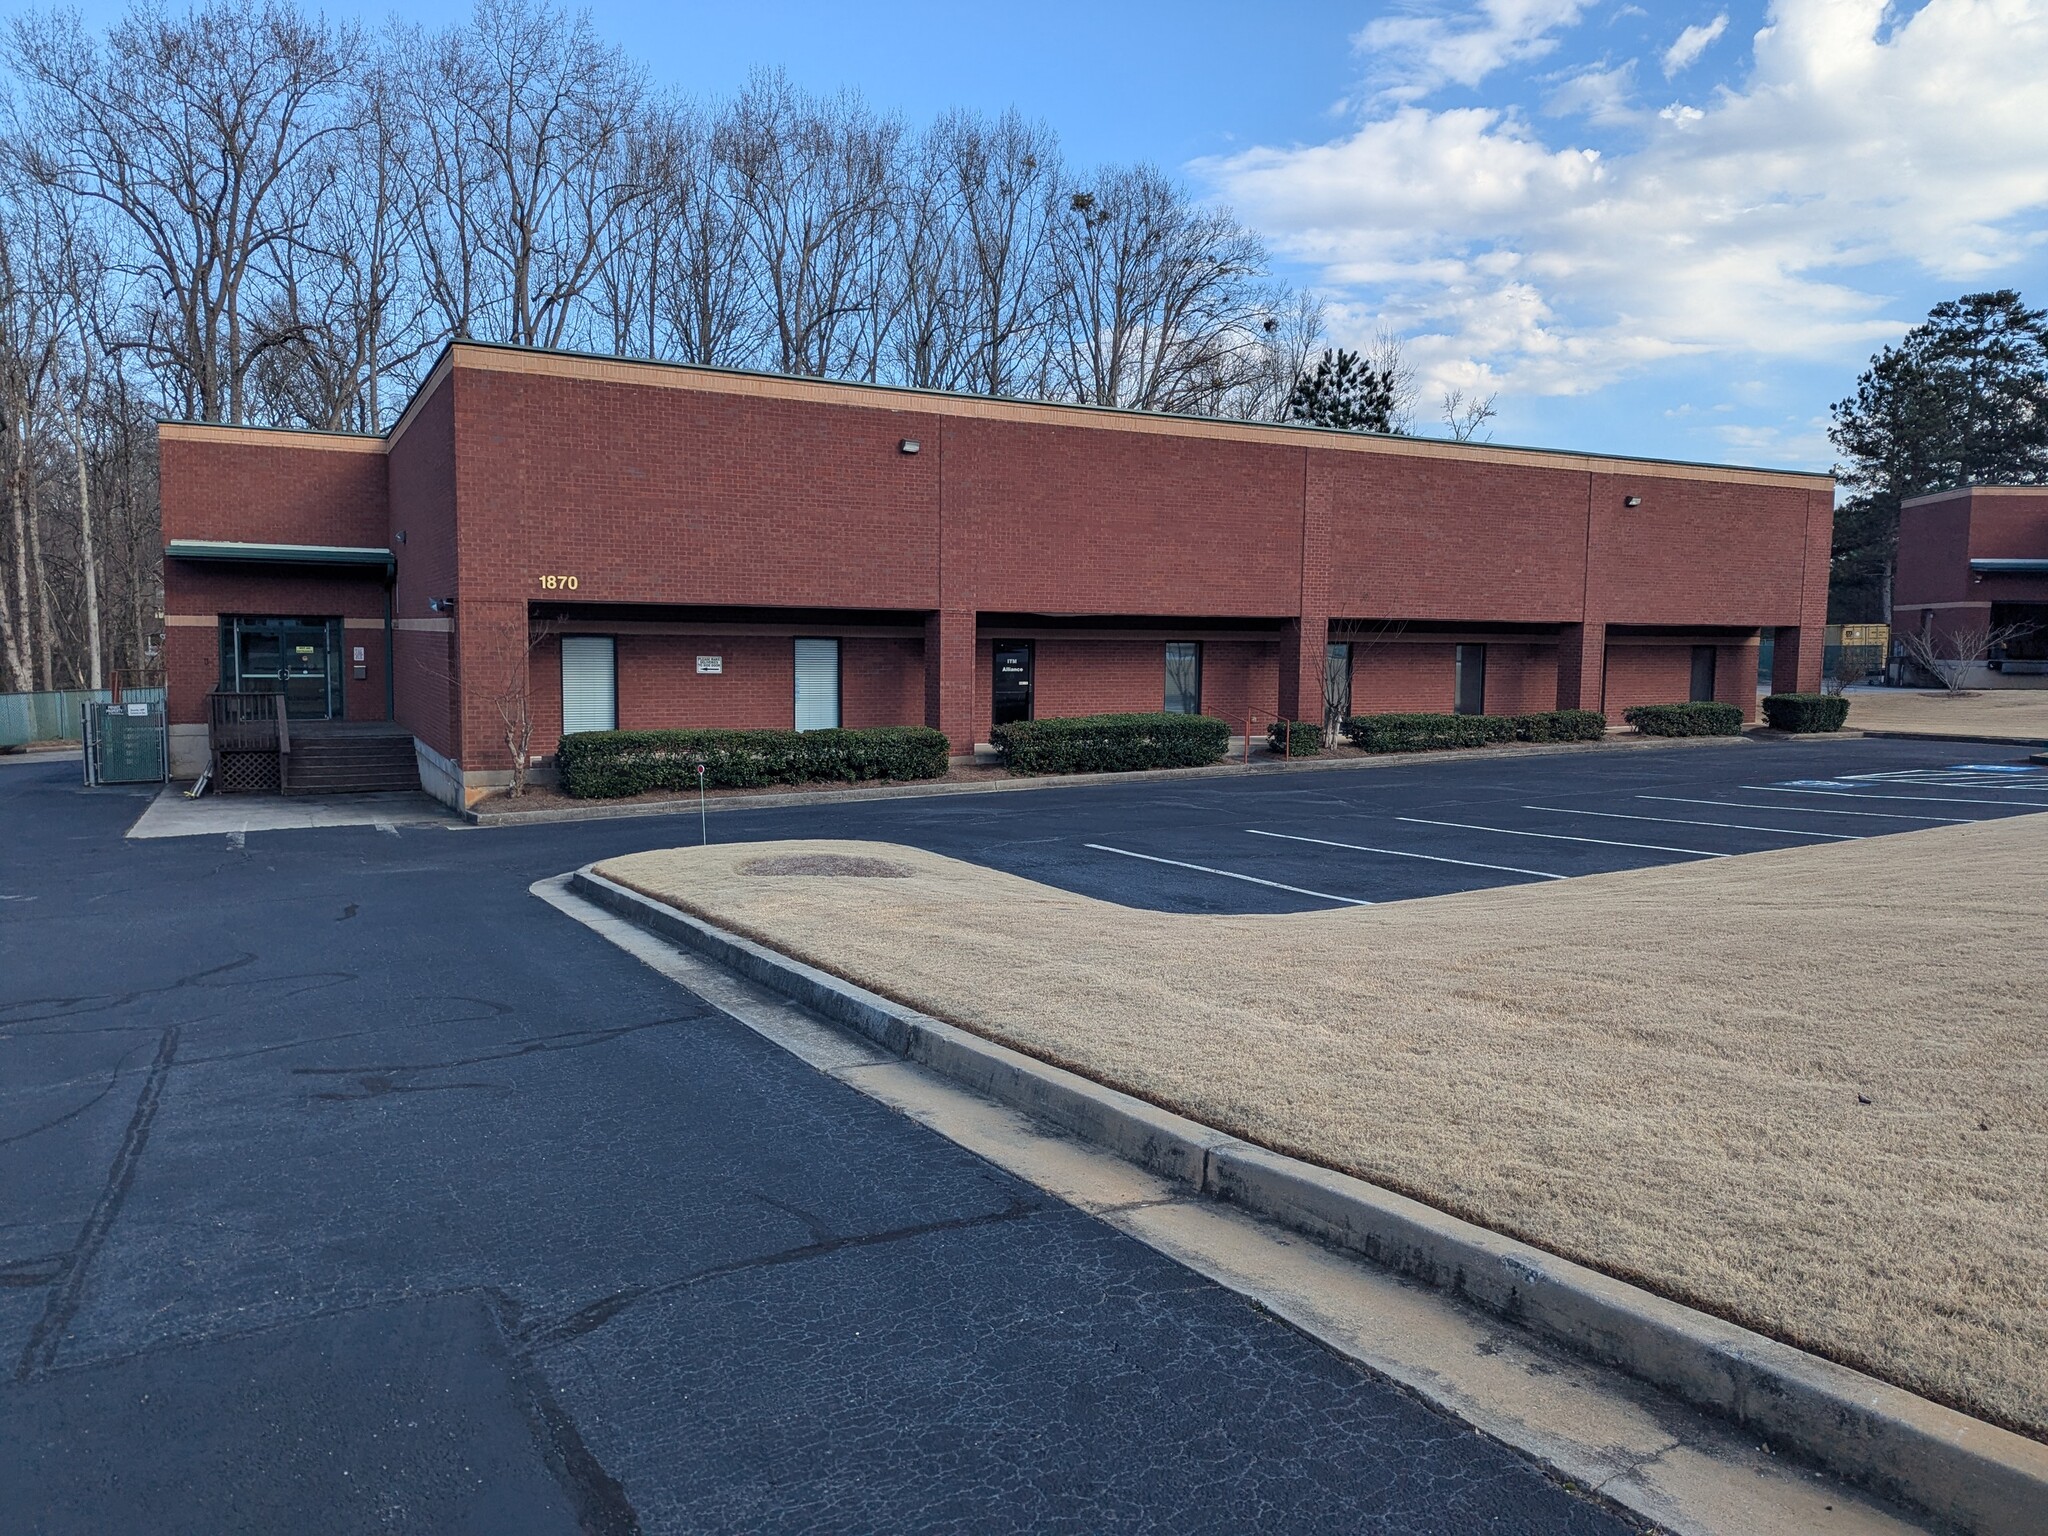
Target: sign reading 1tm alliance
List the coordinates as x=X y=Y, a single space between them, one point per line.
x=710 y=663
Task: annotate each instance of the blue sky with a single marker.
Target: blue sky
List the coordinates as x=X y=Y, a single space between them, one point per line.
x=1661 y=228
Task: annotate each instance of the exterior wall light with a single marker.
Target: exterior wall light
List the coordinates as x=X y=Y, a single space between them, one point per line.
x=1631 y=501
x=440 y=605
x=908 y=445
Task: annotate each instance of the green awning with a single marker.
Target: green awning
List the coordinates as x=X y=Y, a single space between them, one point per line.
x=2009 y=567
x=223 y=551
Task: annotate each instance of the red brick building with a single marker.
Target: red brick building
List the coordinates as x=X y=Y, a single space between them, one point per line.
x=662 y=545
x=1977 y=558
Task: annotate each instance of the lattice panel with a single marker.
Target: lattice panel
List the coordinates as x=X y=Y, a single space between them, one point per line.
x=247 y=773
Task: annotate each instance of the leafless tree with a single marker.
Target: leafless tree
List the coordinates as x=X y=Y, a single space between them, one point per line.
x=1952 y=655
x=1467 y=415
x=1158 y=302
x=192 y=131
x=1358 y=638
x=811 y=181
x=526 y=117
x=1005 y=174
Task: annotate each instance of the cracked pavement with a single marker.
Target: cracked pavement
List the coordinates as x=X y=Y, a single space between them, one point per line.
x=347 y=1187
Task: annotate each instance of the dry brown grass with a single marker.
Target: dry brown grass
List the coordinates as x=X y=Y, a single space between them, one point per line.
x=1659 y=1073
x=2004 y=714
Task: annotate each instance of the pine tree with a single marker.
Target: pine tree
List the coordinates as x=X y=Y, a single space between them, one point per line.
x=1345 y=391
x=1962 y=400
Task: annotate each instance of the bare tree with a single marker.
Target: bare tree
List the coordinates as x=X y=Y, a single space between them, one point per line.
x=526 y=117
x=1349 y=639
x=1158 y=303
x=811 y=181
x=191 y=130
x=1951 y=656
x=1466 y=415
x=1005 y=174
x=30 y=342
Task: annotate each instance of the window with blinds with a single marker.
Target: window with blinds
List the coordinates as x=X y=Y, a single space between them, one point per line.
x=817 y=685
x=590 y=684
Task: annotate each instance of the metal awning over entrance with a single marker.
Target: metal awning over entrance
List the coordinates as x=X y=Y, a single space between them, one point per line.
x=229 y=552
x=2009 y=567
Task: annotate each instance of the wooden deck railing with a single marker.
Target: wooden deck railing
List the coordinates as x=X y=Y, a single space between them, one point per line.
x=253 y=723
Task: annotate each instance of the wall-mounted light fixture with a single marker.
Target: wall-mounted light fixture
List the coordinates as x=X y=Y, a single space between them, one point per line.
x=1631 y=501
x=401 y=535
x=908 y=445
x=440 y=605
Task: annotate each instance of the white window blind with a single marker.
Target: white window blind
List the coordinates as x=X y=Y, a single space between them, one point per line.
x=817 y=685
x=590 y=684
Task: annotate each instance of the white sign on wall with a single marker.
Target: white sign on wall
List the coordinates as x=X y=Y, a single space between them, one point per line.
x=707 y=664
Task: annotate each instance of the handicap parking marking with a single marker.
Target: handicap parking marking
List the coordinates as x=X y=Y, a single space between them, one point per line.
x=1819 y=810
x=1812 y=787
x=1228 y=874
x=1681 y=821
x=1559 y=837
x=1401 y=853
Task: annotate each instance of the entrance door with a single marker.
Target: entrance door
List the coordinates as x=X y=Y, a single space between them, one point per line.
x=1012 y=682
x=298 y=658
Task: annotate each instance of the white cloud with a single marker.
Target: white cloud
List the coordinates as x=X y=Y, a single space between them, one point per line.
x=1755 y=223
x=1693 y=42
x=1413 y=54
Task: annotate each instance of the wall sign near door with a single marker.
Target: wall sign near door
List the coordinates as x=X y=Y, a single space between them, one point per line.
x=710 y=665
x=559 y=583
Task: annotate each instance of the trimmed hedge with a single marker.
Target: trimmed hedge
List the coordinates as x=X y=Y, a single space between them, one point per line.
x=1561 y=725
x=1696 y=719
x=606 y=765
x=1295 y=738
x=1437 y=733
x=1427 y=733
x=1806 y=711
x=1111 y=743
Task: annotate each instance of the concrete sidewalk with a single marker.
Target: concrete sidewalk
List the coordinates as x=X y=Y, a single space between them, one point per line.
x=172 y=815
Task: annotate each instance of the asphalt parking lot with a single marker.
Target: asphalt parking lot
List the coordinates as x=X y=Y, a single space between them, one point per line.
x=346 y=1186
x=1295 y=840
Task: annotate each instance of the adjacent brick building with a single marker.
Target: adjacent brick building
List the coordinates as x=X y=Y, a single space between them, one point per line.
x=1977 y=559
x=664 y=545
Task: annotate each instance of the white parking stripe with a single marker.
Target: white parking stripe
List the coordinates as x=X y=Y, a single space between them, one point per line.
x=1349 y=901
x=1559 y=837
x=1816 y=810
x=1680 y=821
x=1850 y=794
x=1401 y=853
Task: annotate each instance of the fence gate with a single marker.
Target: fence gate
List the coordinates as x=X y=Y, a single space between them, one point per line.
x=126 y=744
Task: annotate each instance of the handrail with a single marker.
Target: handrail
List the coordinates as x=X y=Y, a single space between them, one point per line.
x=1286 y=737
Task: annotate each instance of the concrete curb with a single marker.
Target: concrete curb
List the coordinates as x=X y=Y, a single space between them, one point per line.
x=1968 y=1474
x=688 y=805
x=1993 y=741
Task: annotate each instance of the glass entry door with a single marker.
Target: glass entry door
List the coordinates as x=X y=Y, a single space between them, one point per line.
x=1012 y=681
x=299 y=658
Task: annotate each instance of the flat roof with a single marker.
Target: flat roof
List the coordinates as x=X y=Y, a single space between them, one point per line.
x=658 y=373
x=229 y=551
x=1974 y=490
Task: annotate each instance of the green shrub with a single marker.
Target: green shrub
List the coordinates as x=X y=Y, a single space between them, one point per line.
x=1427 y=733
x=1696 y=719
x=1561 y=725
x=605 y=765
x=1111 y=743
x=1295 y=738
x=1806 y=711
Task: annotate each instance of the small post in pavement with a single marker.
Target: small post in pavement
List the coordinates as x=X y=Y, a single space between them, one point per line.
x=703 y=824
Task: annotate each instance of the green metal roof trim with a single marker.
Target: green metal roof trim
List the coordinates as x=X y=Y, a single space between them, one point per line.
x=228 y=552
x=2010 y=567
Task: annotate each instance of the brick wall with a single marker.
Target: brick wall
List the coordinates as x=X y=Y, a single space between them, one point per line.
x=660 y=490
x=1648 y=674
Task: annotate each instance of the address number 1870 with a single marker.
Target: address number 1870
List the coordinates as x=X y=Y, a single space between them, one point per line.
x=559 y=583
